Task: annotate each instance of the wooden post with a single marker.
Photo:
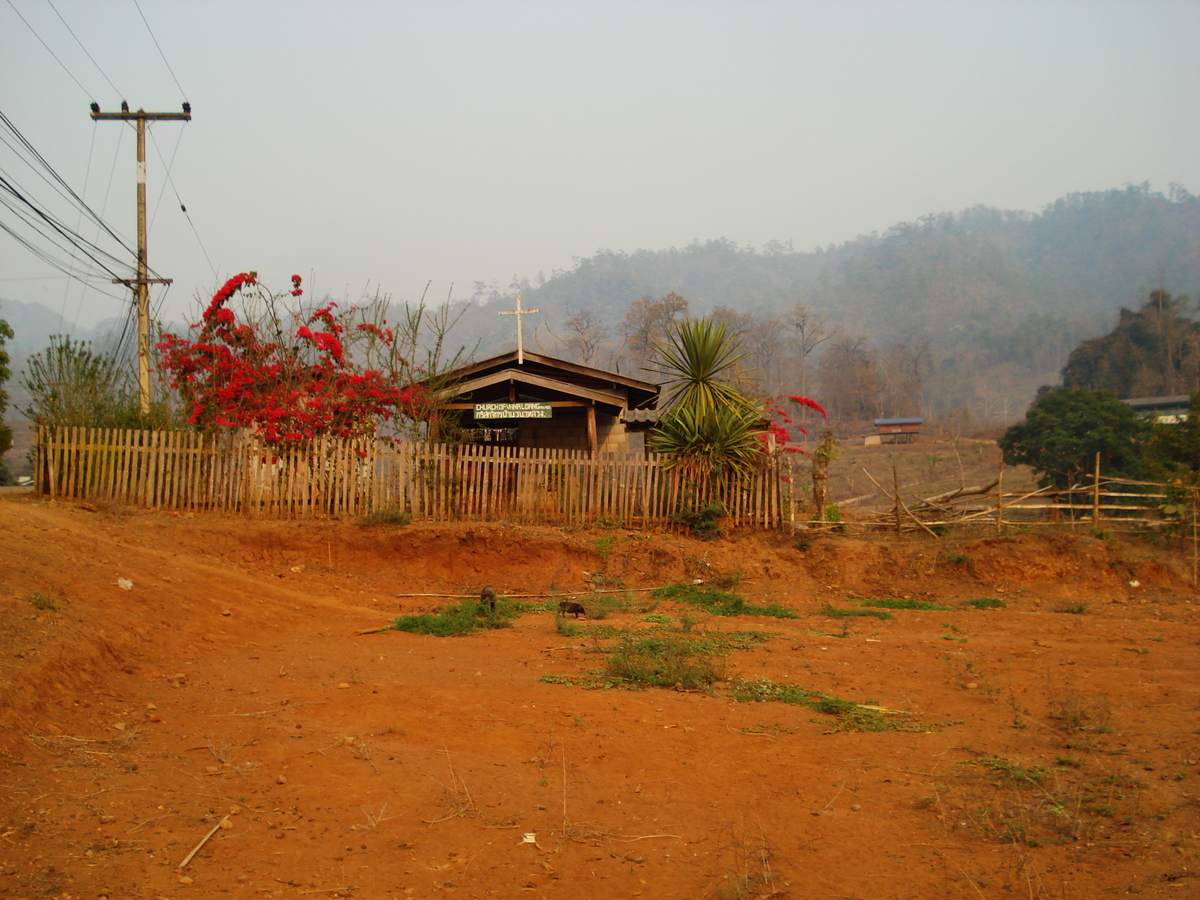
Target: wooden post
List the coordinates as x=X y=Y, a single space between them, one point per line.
x=1195 y=548
x=1096 y=495
x=791 y=477
x=896 y=488
x=1000 y=498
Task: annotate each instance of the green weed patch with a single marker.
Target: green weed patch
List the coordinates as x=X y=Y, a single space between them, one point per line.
x=834 y=612
x=719 y=602
x=846 y=715
x=658 y=657
x=901 y=603
x=660 y=660
x=986 y=603
x=461 y=618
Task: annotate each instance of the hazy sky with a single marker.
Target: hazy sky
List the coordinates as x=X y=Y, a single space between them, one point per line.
x=389 y=144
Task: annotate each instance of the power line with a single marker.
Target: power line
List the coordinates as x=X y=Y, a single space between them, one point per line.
x=32 y=151
x=30 y=213
x=87 y=177
x=48 y=50
x=160 y=50
x=50 y=227
x=167 y=168
x=55 y=263
x=83 y=48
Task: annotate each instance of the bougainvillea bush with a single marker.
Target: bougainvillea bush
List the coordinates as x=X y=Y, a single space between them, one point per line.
x=290 y=376
x=779 y=421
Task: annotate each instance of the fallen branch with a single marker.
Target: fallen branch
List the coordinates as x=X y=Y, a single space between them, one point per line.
x=961 y=492
x=902 y=505
x=204 y=840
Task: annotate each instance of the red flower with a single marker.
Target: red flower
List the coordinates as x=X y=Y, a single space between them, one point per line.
x=811 y=404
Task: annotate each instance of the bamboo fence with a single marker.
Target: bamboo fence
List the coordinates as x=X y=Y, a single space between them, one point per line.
x=1108 y=503
x=330 y=477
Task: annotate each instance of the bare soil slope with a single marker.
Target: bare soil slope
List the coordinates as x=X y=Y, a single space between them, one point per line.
x=164 y=676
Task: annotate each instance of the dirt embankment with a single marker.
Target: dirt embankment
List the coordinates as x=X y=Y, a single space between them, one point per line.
x=165 y=675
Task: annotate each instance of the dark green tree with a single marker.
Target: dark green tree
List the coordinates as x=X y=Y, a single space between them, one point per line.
x=6 y=334
x=1174 y=451
x=1152 y=352
x=1065 y=429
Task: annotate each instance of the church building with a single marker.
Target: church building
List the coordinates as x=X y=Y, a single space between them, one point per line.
x=522 y=399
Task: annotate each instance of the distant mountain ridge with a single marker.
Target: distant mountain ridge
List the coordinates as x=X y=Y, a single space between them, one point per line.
x=972 y=311
x=33 y=323
x=1087 y=254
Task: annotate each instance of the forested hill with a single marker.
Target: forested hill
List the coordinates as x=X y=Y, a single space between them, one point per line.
x=1084 y=255
x=986 y=304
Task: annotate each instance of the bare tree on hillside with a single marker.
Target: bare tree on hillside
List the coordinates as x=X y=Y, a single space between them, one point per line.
x=646 y=323
x=586 y=336
x=812 y=330
x=903 y=367
x=735 y=322
x=765 y=341
x=849 y=380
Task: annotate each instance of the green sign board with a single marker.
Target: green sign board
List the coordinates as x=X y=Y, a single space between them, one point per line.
x=534 y=410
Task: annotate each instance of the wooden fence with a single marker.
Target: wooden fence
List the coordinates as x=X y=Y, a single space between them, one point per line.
x=1108 y=503
x=335 y=477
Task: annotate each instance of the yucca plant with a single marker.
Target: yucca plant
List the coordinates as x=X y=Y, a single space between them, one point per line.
x=710 y=443
x=699 y=358
x=709 y=429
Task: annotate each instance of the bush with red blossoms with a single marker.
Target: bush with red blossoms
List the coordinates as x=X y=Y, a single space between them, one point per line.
x=779 y=420
x=289 y=385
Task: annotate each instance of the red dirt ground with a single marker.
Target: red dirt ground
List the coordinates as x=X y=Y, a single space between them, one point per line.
x=1052 y=749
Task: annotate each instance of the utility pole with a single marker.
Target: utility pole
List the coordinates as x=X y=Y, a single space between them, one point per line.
x=141 y=285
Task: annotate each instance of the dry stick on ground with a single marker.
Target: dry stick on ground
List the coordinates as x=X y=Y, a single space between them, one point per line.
x=204 y=840
x=569 y=830
x=457 y=790
x=148 y=821
x=961 y=872
x=271 y=712
x=831 y=799
x=362 y=750
x=373 y=820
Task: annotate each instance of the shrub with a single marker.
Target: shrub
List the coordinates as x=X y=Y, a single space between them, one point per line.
x=702 y=520
x=391 y=514
x=986 y=603
x=719 y=602
x=662 y=661
x=834 y=613
x=461 y=618
x=905 y=603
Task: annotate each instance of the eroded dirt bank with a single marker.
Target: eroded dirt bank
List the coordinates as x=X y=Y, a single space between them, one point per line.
x=1050 y=747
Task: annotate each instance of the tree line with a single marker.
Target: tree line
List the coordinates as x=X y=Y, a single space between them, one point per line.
x=958 y=316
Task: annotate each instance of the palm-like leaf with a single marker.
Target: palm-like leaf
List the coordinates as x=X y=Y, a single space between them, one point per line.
x=699 y=358
x=722 y=441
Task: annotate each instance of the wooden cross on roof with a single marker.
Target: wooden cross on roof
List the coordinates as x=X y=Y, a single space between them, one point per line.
x=518 y=312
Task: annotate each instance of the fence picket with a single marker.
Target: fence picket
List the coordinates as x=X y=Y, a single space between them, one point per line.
x=237 y=473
